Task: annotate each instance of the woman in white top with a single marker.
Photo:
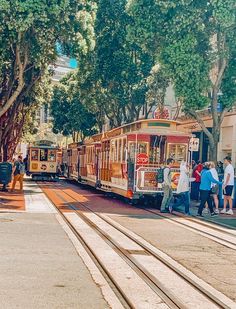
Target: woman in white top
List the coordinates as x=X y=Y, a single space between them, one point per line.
x=214 y=186
x=183 y=186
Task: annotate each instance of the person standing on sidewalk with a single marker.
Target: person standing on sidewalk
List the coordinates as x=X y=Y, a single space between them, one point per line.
x=18 y=173
x=228 y=186
x=196 y=184
x=205 y=189
x=214 y=186
x=183 y=187
x=166 y=186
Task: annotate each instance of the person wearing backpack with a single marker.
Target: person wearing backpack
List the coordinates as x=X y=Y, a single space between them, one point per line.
x=166 y=186
x=18 y=173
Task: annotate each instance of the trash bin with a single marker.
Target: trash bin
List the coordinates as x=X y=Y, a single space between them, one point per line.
x=5 y=174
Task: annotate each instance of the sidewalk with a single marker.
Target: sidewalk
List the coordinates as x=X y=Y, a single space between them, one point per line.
x=39 y=266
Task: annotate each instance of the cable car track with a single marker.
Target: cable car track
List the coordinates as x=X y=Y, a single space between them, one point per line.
x=219 y=239
x=166 y=295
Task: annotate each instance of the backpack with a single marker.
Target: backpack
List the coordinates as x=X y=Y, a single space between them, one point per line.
x=22 y=168
x=160 y=174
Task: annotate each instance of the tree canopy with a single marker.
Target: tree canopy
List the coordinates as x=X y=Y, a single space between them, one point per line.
x=195 y=42
x=30 y=31
x=70 y=115
x=128 y=52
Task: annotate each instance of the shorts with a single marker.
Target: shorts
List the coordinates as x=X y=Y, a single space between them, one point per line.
x=228 y=190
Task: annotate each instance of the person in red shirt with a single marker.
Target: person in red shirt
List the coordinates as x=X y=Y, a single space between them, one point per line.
x=196 y=184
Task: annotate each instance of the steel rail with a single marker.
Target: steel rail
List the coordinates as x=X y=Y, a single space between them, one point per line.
x=202 y=290
x=171 y=300
x=118 y=292
x=225 y=243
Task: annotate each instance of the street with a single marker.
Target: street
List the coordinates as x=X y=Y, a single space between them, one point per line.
x=127 y=256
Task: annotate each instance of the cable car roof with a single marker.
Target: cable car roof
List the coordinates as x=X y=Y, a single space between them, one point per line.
x=159 y=132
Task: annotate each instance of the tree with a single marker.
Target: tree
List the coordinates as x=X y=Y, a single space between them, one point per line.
x=29 y=33
x=196 y=43
x=121 y=65
x=20 y=117
x=157 y=82
x=70 y=116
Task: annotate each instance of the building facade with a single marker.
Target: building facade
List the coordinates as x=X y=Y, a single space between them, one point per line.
x=227 y=143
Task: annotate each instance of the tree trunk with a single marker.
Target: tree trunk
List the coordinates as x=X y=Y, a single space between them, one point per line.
x=213 y=151
x=5 y=153
x=213 y=143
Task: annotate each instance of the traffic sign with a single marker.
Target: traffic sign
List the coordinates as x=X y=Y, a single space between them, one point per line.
x=142 y=159
x=194 y=144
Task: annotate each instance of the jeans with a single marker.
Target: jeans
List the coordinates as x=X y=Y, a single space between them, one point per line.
x=184 y=200
x=195 y=191
x=168 y=194
x=205 y=196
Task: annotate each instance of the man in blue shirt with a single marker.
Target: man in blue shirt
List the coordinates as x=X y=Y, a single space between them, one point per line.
x=205 y=189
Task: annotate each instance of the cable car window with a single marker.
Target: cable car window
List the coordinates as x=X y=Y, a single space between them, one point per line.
x=124 y=150
x=116 y=151
x=34 y=154
x=51 y=156
x=43 y=154
x=142 y=147
x=132 y=150
x=178 y=152
x=120 y=150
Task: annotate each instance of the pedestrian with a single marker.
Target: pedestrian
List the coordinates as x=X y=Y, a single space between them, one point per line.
x=205 y=189
x=167 y=187
x=18 y=173
x=26 y=163
x=193 y=164
x=214 y=186
x=196 y=184
x=228 y=185
x=183 y=187
x=220 y=167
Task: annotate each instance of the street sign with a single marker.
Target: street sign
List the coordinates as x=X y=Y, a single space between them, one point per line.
x=194 y=144
x=142 y=159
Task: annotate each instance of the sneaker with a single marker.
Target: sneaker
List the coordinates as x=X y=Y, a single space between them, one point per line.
x=223 y=211
x=213 y=214
x=230 y=212
x=170 y=209
x=217 y=211
x=200 y=215
x=205 y=211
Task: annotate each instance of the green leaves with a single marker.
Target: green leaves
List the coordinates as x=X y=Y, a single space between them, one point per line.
x=69 y=113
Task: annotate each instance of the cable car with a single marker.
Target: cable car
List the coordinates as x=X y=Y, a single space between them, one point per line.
x=127 y=160
x=43 y=161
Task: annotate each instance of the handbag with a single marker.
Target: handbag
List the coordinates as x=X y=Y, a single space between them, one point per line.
x=214 y=189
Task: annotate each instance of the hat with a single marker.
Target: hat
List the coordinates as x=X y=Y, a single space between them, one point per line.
x=228 y=158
